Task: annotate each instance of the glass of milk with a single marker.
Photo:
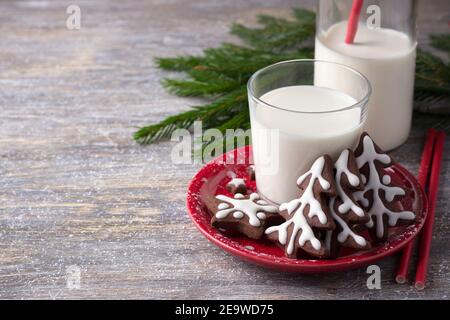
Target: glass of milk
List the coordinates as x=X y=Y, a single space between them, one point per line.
x=297 y=116
x=384 y=50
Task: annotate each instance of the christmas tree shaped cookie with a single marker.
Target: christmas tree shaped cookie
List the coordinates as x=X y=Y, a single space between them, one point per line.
x=379 y=196
x=307 y=212
x=344 y=208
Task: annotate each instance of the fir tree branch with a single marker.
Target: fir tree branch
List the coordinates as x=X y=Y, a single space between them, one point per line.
x=204 y=83
x=441 y=42
x=221 y=74
x=233 y=61
x=432 y=81
x=212 y=114
x=278 y=34
x=178 y=63
x=233 y=131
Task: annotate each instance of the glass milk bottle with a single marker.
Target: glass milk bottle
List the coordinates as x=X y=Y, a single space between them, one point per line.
x=383 y=49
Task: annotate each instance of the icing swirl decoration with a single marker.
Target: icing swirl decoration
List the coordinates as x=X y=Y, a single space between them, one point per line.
x=297 y=226
x=344 y=231
x=341 y=167
x=378 y=184
x=252 y=207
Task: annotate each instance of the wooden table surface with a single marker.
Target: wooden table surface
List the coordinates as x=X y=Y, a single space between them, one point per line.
x=75 y=190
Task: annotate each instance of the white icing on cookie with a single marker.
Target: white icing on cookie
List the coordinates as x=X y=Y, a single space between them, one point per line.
x=296 y=207
x=245 y=206
x=346 y=230
x=300 y=223
x=375 y=184
x=307 y=198
x=386 y=179
x=341 y=166
x=363 y=179
x=316 y=173
x=261 y=215
x=238 y=215
x=222 y=206
x=369 y=154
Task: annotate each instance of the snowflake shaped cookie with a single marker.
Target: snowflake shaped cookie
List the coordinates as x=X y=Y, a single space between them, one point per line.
x=248 y=215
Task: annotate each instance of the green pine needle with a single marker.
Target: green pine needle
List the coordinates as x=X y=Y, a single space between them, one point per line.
x=432 y=83
x=278 y=34
x=221 y=75
x=441 y=42
x=212 y=115
x=204 y=83
x=178 y=63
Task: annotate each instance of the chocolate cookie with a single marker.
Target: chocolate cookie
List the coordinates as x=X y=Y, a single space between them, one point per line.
x=308 y=211
x=237 y=185
x=344 y=236
x=348 y=181
x=344 y=208
x=379 y=195
x=248 y=215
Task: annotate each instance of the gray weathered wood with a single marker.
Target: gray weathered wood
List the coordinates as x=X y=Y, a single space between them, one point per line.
x=76 y=190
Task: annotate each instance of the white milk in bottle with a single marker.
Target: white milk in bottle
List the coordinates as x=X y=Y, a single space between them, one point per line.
x=387 y=58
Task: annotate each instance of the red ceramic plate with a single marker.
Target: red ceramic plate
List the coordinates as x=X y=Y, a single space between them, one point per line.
x=212 y=179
